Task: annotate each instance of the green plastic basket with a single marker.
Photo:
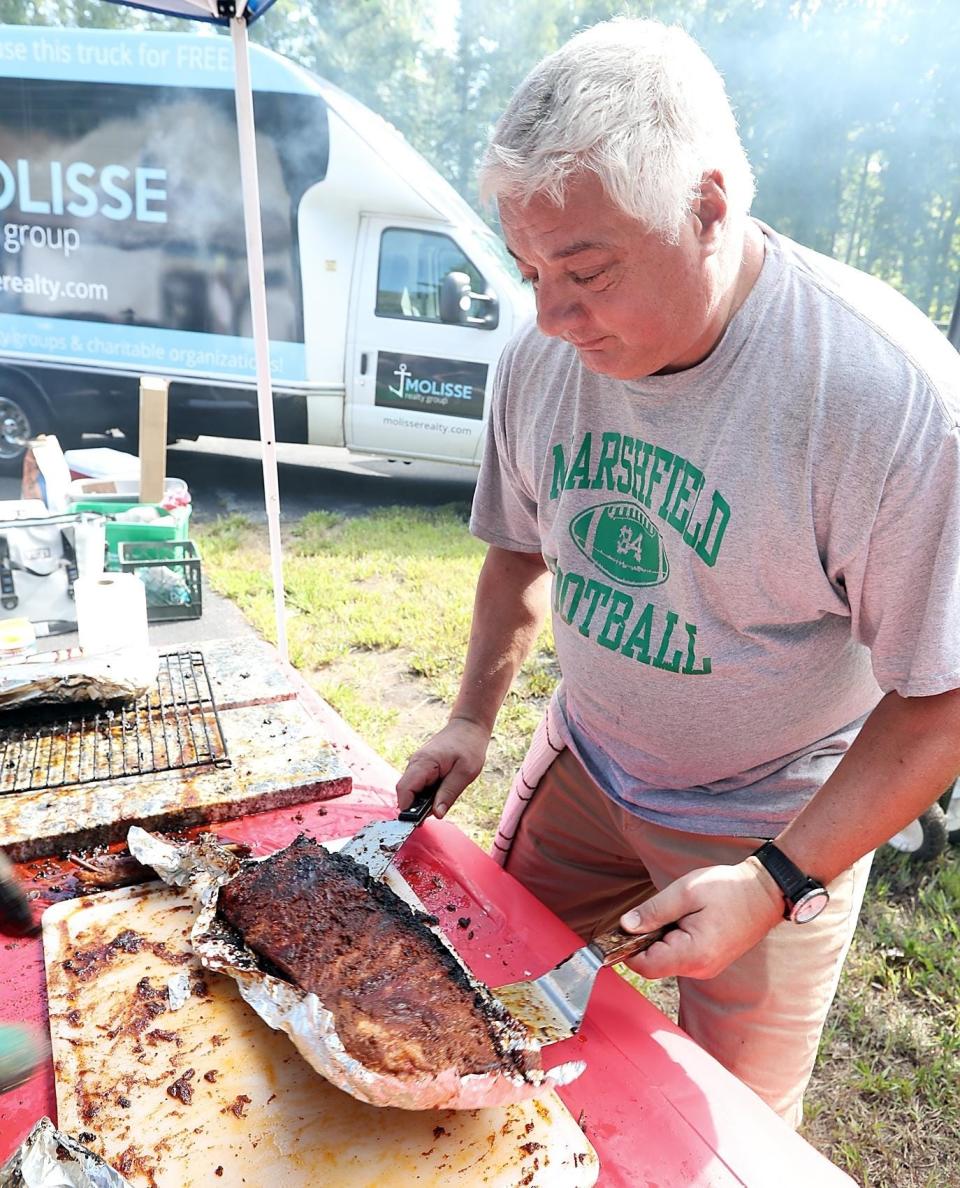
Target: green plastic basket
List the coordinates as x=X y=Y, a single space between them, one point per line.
x=170 y=526
x=171 y=572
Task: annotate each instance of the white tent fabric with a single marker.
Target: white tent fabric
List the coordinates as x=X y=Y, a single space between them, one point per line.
x=237 y=14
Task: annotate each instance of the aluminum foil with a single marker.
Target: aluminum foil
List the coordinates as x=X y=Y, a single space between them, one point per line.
x=68 y=675
x=48 y=1158
x=201 y=868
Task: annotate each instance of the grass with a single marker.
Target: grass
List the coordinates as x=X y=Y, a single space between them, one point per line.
x=380 y=614
x=381 y=607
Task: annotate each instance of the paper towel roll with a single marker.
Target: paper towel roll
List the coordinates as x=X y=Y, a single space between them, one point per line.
x=111 y=612
x=90 y=545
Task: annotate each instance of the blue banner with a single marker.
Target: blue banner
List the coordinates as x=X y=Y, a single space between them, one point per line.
x=140 y=59
x=141 y=348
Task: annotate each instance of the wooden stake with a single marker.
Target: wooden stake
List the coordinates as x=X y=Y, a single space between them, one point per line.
x=153 y=437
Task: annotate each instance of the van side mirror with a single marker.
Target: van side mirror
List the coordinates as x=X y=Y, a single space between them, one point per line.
x=457 y=299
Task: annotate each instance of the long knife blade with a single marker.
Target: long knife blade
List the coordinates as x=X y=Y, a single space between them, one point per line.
x=375 y=846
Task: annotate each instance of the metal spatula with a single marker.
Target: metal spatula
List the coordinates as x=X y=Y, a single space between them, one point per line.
x=375 y=846
x=552 y=1006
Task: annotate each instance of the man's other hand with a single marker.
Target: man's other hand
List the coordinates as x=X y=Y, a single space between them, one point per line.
x=722 y=912
x=456 y=754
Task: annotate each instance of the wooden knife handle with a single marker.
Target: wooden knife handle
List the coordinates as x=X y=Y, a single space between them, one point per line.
x=616 y=945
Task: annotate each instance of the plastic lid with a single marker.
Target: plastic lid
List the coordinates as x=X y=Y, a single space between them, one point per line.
x=17 y=637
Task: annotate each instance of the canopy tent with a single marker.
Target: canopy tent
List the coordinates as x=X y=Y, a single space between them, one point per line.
x=237 y=15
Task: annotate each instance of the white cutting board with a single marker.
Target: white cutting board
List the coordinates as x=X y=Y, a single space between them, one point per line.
x=294 y=1128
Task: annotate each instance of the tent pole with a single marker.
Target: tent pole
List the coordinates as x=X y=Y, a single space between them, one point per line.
x=258 y=303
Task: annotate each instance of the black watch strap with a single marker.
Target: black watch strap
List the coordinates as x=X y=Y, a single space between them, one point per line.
x=786 y=874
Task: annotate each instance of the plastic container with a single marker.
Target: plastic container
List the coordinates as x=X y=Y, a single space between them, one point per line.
x=23 y=509
x=110 y=490
x=171 y=574
x=18 y=638
x=169 y=525
x=103 y=462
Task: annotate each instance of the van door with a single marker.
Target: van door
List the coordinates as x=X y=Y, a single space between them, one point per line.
x=418 y=387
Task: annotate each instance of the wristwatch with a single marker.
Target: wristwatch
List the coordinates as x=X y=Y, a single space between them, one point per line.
x=804 y=898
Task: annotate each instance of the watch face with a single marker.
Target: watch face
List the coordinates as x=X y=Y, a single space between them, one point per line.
x=809 y=905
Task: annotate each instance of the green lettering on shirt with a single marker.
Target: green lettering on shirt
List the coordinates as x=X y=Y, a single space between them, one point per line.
x=577 y=600
x=638 y=468
x=676 y=470
x=579 y=475
x=625 y=480
x=596 y=592
x=690 y=484
x=576 y=581
x=637 y=646
x=559 y=471
x=613 y=626
x=557 y=583
x=661 y=661
x=609 y=448
x=640 y=475
x=690 y=664
x=708 y=546
x=661 y=463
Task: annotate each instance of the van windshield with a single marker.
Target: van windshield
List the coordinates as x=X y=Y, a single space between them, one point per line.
x=494 y=244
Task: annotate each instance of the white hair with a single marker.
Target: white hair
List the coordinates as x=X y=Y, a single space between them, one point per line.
x=635 y=102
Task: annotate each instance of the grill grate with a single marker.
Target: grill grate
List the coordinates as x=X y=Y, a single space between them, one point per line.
x=174 y=726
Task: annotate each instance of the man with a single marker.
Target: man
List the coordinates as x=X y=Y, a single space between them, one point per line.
x=732 y=467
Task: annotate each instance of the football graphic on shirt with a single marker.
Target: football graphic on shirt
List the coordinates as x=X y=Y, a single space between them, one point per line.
x=622 y=542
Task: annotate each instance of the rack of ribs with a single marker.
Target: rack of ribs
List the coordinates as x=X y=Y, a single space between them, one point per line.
x=401 y=1003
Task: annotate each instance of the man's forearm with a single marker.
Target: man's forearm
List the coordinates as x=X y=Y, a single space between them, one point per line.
x=509 y=608
x=907 y=753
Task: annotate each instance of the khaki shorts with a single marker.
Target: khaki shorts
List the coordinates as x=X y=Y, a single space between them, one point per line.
x=589 y=861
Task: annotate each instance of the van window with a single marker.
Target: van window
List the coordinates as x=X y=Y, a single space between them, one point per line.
x=412 y=267
x=184 y=268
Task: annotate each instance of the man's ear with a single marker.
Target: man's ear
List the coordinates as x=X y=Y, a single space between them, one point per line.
x=710 y=210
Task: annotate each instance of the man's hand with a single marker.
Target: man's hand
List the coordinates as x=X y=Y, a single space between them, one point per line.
x=456 y=753
x=722 y=912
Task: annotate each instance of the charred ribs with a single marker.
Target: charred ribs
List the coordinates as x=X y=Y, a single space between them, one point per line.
x=401 y=1003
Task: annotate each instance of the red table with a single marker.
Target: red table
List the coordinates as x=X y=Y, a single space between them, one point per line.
x=660 y=1112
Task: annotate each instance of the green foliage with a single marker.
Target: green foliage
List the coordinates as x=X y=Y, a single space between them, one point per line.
x=384 y=52
x=850 y=109
x=890 y=1060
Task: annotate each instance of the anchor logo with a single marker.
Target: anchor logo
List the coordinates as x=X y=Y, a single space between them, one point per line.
x=401 y=372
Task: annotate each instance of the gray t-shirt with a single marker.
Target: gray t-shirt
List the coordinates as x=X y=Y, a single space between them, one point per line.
x=745 y=554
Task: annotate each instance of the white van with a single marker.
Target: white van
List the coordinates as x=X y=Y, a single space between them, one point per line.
x=122 y=252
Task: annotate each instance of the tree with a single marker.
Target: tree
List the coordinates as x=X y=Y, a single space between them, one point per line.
x=383 y=52
x=850 y=109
